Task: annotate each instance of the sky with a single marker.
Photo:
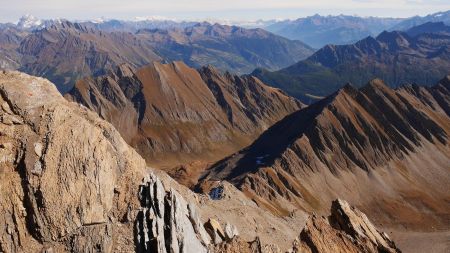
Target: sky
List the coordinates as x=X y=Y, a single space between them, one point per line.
x=12 y=10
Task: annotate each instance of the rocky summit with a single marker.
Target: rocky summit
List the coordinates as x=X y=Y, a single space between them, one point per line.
x=346 y=230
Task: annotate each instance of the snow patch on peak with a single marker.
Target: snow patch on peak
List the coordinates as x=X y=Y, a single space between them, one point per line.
x=154 y=18
x=29 y=21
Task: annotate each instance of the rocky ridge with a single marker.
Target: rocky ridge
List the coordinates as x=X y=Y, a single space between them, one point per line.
x=173 y=114
x=390 y=145
x=418 y=56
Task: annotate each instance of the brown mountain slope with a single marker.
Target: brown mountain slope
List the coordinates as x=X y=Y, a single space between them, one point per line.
x=385 y=150
x=226 y=47
x=174 y=114
x=65 y=51
x=10 y=39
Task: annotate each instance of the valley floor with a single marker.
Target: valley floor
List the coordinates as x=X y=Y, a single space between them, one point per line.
x=419 y=242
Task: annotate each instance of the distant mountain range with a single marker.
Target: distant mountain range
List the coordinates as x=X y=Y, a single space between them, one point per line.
x=63 y=51
x=417 y=20
x=420 y=55
x=318 y=31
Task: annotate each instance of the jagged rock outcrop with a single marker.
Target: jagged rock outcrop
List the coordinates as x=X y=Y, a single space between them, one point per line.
x=385 y=150
x=166 y=222
x=173 y=114
x=346 y=230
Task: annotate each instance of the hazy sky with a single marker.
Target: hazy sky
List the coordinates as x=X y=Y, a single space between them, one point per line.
x=12 y=10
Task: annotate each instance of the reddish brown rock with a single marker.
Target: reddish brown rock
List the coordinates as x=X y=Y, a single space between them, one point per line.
x=350 y=231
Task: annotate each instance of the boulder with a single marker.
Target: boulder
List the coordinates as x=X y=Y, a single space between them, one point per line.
x=230 y=231
x=214 y=229
x=346 y=230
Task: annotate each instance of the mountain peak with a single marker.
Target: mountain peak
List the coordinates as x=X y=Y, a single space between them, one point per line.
x=124 y=70
x=445 y=82
x=389 y=37
x=377 y=83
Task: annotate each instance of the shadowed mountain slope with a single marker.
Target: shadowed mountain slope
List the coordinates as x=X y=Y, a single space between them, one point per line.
x=385 y=150
x=396 y=57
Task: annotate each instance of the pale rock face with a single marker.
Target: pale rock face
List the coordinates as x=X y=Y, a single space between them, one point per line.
x=215 y=230
x=230 y=231
x=166 y=222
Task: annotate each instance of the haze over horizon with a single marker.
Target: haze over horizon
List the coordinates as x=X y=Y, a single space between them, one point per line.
x=212 y=9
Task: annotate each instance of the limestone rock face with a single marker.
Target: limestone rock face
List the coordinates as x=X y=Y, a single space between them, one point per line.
x=215 y=231
x=166 y=222
x=346 y=230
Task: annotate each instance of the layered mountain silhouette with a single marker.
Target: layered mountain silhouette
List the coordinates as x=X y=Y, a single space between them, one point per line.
x=67 y=51
x=173 y=114
x=419 y=55
x=64 y=51
x=226 y=47
x=385 y=150
x=406 y=24
x=318 y=31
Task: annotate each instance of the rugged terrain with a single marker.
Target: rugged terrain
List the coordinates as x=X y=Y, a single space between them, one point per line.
x=230 y=48
x=385 y=150
x=70 y=183
x=173 y=114
x=420 y=55
x=64 y=51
